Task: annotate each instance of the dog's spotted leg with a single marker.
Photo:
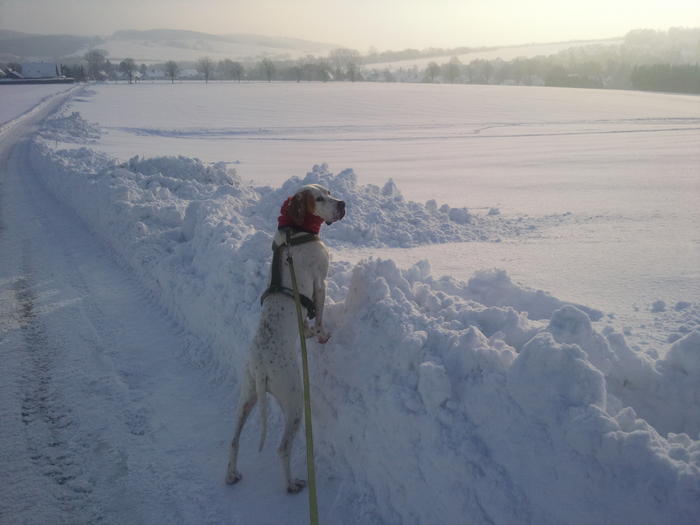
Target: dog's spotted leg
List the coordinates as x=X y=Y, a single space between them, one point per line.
x=246 y=406
x=285 y=449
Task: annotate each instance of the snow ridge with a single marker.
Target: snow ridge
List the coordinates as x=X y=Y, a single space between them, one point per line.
x=382 y=217
x=435 y=401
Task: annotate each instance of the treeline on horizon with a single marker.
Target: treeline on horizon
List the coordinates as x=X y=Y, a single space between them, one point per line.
x=643 y=59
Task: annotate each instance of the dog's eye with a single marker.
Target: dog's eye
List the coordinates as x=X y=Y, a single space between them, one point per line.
x=319 y=199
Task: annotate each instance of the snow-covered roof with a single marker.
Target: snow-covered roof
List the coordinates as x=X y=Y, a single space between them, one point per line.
x=41 y=70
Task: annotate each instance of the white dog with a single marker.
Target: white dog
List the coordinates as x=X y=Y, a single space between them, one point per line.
x=273 y=365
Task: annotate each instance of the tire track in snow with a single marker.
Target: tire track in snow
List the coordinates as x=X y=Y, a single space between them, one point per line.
x=410 y=133
x=152 y=431
x=46 y=417
x=55 y=441
x=47 y=481
x=114 y=384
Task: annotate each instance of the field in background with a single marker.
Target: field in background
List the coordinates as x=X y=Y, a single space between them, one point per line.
x=622 y=164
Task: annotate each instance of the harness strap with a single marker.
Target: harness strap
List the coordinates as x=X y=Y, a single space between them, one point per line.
x=276 y=270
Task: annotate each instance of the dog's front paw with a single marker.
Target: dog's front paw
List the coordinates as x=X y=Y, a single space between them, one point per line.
x=323 y=337
x=295 y=486
x=233 y=477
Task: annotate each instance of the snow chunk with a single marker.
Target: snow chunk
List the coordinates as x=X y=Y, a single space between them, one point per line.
x=572 y=326
x=72 y=128
x=685 y=354
x=391 y=190
x=548 y=378
x=185 y=168
x=658 y=306
x=460 y=215
x=495 y=288
x=433 y=385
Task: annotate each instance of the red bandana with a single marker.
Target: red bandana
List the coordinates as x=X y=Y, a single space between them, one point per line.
x=311 y=224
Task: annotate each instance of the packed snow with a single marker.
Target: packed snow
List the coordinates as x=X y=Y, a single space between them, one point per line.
x=437 y=400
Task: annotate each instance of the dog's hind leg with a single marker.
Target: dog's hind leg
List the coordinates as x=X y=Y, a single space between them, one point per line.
x=248 y=398
x=293 y=413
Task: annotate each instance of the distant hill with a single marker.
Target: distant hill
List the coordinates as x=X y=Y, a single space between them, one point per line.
x=156 y=45
x=6 y=33
x=16 y=46
x=491 y=53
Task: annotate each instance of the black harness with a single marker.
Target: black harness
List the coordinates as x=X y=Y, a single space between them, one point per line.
x=276 y=270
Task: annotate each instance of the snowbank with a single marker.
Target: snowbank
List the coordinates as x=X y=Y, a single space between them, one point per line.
x=435 y=401
x=382 y=217
x=70 y=128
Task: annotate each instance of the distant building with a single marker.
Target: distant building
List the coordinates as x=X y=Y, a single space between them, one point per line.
x=189 y=73
x=155 y=73
x=13 y=75
x=41 y=70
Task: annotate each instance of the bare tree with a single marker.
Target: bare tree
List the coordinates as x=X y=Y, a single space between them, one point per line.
x=346 y=63
x=480 y=71
x=128 y=66
x=297 y=72
x=96 y=60
x=451 y=71
x=230 y=70
x=223 y=69
x=171 y=69
x=143 y=70
x=205 y=66
x=323 y=70
x=109 y=70
x=307 y=65
x=432 y=71
x=268 y=67
x=352 y=69
x=237 y=70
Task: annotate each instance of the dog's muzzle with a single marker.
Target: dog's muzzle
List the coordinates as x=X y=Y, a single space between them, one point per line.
x=340 y=212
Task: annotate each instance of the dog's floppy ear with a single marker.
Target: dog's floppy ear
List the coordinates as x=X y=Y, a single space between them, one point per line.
x=302 y=204
x=310 y=203
x=297 y=208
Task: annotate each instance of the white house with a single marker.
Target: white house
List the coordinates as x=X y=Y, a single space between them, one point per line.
x=41 y=70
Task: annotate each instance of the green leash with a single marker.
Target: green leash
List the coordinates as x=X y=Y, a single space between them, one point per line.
x=311 y=471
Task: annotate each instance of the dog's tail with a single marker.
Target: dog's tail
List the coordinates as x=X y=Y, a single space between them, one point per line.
x=261 y=390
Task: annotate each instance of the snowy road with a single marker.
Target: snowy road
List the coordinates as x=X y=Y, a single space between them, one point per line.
x=103 y=418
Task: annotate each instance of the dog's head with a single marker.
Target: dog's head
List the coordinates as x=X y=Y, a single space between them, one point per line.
x=313 y=203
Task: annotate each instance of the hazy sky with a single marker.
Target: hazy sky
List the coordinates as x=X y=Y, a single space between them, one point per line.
x=385 y=24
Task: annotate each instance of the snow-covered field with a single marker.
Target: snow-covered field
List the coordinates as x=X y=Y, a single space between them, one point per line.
x=615 y=171
x=465 y=398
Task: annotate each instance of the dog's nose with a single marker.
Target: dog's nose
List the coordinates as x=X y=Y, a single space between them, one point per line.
x=341 y=209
